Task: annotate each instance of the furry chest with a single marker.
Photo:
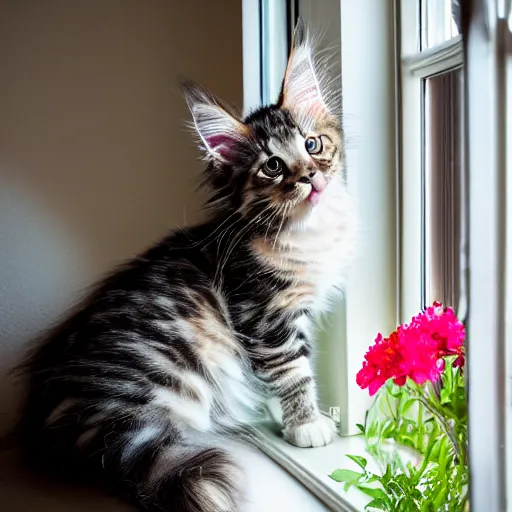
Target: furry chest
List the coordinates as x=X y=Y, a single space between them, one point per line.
x=319 y=270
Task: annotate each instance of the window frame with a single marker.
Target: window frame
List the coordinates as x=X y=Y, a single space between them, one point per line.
x=488 y=51
x=416 y=66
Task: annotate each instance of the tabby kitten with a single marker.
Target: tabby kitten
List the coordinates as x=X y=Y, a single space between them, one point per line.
x=185 y=343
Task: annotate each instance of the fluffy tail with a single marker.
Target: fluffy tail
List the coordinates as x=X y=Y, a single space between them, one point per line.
x=153 y=464
x=206 y=480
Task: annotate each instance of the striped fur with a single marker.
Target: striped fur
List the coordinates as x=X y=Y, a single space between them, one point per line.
x=185 y=343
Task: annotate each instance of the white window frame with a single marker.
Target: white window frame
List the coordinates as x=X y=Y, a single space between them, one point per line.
x=371 y=296
x=415 y=67
x=388 y=272
x=488 y=49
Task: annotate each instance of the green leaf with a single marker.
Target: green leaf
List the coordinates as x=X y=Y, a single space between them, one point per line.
x=345 y=475
x=387 y=475
x=388 y=429
x=412 y=385
x=446 y=396
x=378 y=504
x=443 y=454
x=440 y=499
x=369 y=479
x=436 y=448
x=394 y=390
x=426 y=506
x=406 y=405
x=360 y=427
x=360 y=461
x=373 y=492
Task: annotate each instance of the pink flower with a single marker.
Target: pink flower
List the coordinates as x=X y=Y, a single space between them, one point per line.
x=380 y=363
x=415 y=350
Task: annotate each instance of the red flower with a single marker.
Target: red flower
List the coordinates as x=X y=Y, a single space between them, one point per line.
x=445 y=328
x=415 y=350
x=380 y=363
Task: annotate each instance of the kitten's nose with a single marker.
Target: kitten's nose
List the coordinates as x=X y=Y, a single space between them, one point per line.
x=309 y=177
x=318 y=181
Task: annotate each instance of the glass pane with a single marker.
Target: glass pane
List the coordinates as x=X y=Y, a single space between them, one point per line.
x=445 y=228
x=440 y=21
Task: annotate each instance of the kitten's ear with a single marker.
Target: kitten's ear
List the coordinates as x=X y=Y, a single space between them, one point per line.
x=219 y=129
x=300 y=92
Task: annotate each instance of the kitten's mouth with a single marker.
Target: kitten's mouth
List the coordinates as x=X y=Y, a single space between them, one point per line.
x=318 y=184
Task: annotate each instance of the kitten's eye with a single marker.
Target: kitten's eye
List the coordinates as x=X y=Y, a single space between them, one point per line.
x=273 y=167
x=314 y=145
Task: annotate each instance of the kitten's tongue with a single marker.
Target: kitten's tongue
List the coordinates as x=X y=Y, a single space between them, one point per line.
x=318 y=184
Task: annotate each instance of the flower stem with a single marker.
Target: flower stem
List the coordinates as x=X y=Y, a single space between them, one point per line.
x=388 y=403
x=445 y=427
x=420 y=428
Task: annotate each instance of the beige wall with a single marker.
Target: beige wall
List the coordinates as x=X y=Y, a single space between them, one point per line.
x=94 y=161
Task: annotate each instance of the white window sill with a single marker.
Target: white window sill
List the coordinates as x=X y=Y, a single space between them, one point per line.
x=313 y=466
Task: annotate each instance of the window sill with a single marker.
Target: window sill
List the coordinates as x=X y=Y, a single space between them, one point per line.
x=313 y=466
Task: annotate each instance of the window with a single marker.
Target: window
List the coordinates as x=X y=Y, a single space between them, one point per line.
x=432 y=221
x=428 y=146
x=440 y=22
x=443 y=183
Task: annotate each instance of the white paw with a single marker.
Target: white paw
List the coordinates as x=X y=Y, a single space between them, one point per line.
x=310 y=435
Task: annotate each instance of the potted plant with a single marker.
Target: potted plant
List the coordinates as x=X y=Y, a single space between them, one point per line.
x=416 y=430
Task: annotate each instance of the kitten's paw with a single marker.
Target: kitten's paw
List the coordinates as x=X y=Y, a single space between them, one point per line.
x=310 y=435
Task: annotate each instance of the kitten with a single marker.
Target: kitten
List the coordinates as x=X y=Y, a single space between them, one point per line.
x=184 y=344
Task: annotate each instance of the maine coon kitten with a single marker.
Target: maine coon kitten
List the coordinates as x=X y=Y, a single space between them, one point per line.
x=183 y=344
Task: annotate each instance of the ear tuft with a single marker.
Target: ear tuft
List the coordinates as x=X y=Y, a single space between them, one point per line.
x=219 y=129
x=301 y=92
